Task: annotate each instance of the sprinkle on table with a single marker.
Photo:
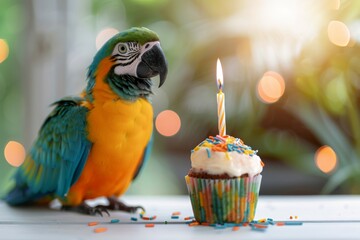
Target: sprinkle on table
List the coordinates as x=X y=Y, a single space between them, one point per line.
x=260 y=225
x=235 y=228
x=293 y=223
x=100 y=229
x=115 y=220
x=93 y=223
x=149 y=225
x=271 y=221
x=258 y=229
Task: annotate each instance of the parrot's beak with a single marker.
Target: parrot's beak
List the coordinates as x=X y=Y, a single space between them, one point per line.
x=153 y=63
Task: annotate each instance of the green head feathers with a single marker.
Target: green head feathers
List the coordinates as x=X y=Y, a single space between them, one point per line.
x=141 y=35
x=135 y=34
x=136 y=56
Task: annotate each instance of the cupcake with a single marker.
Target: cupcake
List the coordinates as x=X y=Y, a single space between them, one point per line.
x=224 y=181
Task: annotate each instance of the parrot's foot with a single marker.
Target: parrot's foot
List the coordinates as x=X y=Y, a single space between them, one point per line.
x=86 y=209
x=116 y=204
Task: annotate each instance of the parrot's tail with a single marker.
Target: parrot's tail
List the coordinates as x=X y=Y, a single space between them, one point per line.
x=22 y=196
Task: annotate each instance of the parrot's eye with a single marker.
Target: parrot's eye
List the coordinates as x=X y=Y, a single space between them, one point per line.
x=122 y=48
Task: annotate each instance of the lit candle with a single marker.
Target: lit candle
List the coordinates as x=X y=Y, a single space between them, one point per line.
x=220 y=99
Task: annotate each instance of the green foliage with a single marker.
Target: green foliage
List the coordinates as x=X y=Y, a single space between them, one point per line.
x=332 y=115
x=11 y=101
x=327 y=79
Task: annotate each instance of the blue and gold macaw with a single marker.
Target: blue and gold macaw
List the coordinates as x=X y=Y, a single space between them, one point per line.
x=94 y=145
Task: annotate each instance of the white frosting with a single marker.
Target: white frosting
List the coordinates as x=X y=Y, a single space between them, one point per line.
x=233 y=163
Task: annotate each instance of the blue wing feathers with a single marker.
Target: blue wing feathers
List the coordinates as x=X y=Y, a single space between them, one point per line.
x=57 y=157
x=145 y=157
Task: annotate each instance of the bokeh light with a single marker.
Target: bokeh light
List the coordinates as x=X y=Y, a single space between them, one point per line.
x=336 y=92
x=338 y=33
x=14 y=153
x=168 y=123
x=4 y=50
x=326 y=159
x=270 y=87
x=104 y=35
x=335 y=4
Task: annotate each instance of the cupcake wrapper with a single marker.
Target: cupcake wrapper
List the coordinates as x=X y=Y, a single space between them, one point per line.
x=224 y=200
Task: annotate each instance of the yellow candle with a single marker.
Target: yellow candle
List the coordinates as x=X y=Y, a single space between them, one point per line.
x=220 y=100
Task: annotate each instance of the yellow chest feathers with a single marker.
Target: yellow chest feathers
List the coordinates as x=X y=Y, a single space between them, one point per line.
x=120 y=124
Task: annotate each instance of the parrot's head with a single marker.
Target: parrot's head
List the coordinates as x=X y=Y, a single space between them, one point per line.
x=126 y=63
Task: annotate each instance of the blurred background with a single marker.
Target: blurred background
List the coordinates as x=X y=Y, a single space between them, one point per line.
x=291 y=81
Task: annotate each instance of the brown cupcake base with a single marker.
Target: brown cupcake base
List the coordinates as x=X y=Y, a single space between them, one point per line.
x=204 y=175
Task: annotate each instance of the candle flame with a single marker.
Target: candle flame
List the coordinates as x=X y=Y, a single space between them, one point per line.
x=219 y=75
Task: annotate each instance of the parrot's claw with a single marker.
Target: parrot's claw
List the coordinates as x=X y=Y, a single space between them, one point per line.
x=86 y=209
x=115 y=204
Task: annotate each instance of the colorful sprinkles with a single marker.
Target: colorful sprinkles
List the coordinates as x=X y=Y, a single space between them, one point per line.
x=260 y=225
x=225 y=144
x=146 y=217
x=255 y=225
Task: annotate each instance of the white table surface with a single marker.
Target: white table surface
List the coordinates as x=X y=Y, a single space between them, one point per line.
x=323 y=217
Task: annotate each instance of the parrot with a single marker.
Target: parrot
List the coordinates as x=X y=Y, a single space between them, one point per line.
x=95 y=144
